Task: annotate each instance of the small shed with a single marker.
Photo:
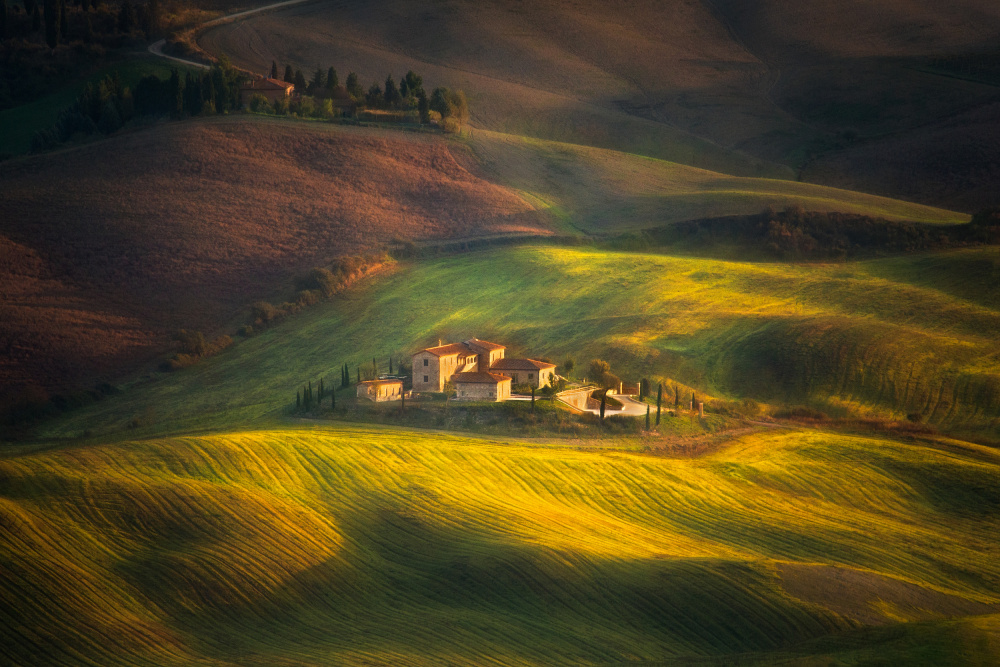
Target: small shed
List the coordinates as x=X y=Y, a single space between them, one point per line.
x=481 y=386
x=272 y=89
x=380 y=391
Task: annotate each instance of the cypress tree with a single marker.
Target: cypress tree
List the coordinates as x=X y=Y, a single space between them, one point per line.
x=51 y=25
x=333 y=399
x=390 y=365
x=677 y=397
x=274 y=69
x=298 y=400
x=300 y=82
x=331 y=79
x=532 y=399
x=289 y=74
x=647 y=417
x=310 y=393
x=659 y=395
x=320 y=399
x=175 y=98
x=604 y=398
x=359 y=374
x=63 y=22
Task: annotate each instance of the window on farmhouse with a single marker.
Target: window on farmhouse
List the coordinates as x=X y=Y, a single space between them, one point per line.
x=425 y=362
x=531 y=375
x=425 y=379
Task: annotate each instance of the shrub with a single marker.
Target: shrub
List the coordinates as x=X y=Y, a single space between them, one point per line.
x=259 y=104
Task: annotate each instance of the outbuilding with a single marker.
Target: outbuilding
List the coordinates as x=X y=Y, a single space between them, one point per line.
x=481 y=386
x=526 y=371
x=381 y=390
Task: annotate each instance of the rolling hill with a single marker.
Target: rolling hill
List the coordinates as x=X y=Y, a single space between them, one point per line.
x=877 y=338
x=183 y=225
x=773 y=88
x=112 y=247
x=365 y=545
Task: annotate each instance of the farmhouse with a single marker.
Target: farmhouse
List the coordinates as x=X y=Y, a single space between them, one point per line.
x=381 y=390
x=481 y=386
x=526 y=371
x=435 y=366
x=272 y=89
x=480 y=367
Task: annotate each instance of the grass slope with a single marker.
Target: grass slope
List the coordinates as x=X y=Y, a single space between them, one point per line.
x=603 y=191
x=876 y=337
x=380 y=546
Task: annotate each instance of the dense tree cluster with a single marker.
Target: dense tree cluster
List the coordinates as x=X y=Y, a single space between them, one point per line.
x=322 y=95
x=105 y=108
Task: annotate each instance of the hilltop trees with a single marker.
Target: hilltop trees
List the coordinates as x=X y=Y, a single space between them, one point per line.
x=600 y=372
x=51 y=25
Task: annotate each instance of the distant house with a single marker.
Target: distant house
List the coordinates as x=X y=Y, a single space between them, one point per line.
x=480 y=386
x=272 y=89
x=381 y=390
x=526 y=371
x=436 y=366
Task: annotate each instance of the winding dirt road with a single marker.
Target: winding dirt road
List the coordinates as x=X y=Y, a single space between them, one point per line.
x=156 y=48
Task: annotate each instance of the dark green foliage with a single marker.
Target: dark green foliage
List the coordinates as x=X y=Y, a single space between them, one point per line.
x=274 y=69
x=63 y=22
x=374 y=98
x=359 y=374
x=320 y=397
x=423 y=108
x=333 y=399
x=289 y=74
x=51 y=23
x=390 y=365
x=110 y=120
x=659 y=398
x=677 y=396
x=392 y=96
x=317 y=82
x=604 y=400
x=354 y=88
x=126 y=17
x=532 y=399
x=414 y=84
x=152 y=19
x=331 y=79
x=192 y=95
x=799 y=234
x=450 y=104
x=300 y=82
x=175 y=99
x=647 y=417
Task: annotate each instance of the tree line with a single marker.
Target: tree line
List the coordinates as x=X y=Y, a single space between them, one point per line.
x=316 y=96
x=60 y=22
x=109 y=105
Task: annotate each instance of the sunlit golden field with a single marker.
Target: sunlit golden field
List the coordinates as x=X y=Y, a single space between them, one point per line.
x=367 y=545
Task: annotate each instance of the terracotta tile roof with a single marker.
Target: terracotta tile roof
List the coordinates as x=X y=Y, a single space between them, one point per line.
x=520 y=365
x=448 y=350
x=483 y=345
x=479 y=378
x=379 y=383
x=268 y=84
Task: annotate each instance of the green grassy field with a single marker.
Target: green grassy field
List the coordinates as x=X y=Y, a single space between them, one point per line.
x=371 y=545
x=881 y=338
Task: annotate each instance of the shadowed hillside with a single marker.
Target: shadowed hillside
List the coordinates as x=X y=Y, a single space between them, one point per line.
x=112 y=247
x=759 y=89
x=360 y=546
